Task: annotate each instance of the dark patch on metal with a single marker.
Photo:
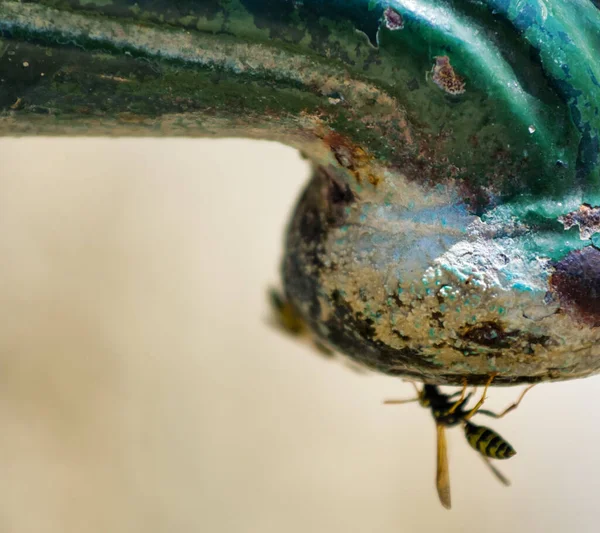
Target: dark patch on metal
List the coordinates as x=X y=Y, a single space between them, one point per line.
x=576 y=116
x=323 y=350
x=339 y=193
x=307 y=231
x=373 y=58
x=363 y=325
x=564 y=37
x=207 y=8
x=586 y=217
x=494 y=335
x=482 y=379
x=277 y=16
x=321 y=207
x=343 y=328
x=526 y=18
x=531 y=76
x=593 y=77
x=502 y=5
x=565 y=89
x=413 y=84
x=531 y=340
x=437 y=317
x=397 y=300
x=400 y=335
x=489 y=334
x=587 y=154
x=337 y=196
x=576 y=281
x=335 y=97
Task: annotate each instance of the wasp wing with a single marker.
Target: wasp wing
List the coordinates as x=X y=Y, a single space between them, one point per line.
x=442 y=475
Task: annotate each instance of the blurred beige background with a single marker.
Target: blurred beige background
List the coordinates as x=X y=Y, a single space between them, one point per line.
x=141 y=389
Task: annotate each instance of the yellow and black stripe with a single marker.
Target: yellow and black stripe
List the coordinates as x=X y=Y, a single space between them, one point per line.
x=488 y=442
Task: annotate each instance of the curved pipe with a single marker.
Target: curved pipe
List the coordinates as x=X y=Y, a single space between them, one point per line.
x=450 y=225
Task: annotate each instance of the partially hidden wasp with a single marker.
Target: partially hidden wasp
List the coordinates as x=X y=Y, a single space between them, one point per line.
x=449 y=412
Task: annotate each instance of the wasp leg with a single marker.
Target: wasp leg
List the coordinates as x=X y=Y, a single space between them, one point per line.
x=509 y=408
x=414 y=384
x=399 y=402
x=481 y=400
x=410 y=400
x=499 y=475
x=459 y=401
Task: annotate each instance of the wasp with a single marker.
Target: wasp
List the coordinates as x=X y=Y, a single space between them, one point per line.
x=287 y=319
x=447 y=411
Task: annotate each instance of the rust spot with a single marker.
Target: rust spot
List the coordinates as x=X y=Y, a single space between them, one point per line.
x=343 y=156
x=347 y=154
x=477 y=197
x=17 y=104
x=555 y=373
x=576 y=281
x=445 y=77
x=114 y=78
x=130 y=118
x=373 y=180
x=393 y=19
x=586 y=217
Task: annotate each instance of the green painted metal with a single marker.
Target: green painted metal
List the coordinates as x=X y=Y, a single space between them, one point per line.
x=449 y=228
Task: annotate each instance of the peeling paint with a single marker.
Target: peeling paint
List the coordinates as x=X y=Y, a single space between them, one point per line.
x=587 y=218
x=444 y=76
x=393 y=19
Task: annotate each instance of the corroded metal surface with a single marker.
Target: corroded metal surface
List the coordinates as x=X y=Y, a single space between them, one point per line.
x=450 y=226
